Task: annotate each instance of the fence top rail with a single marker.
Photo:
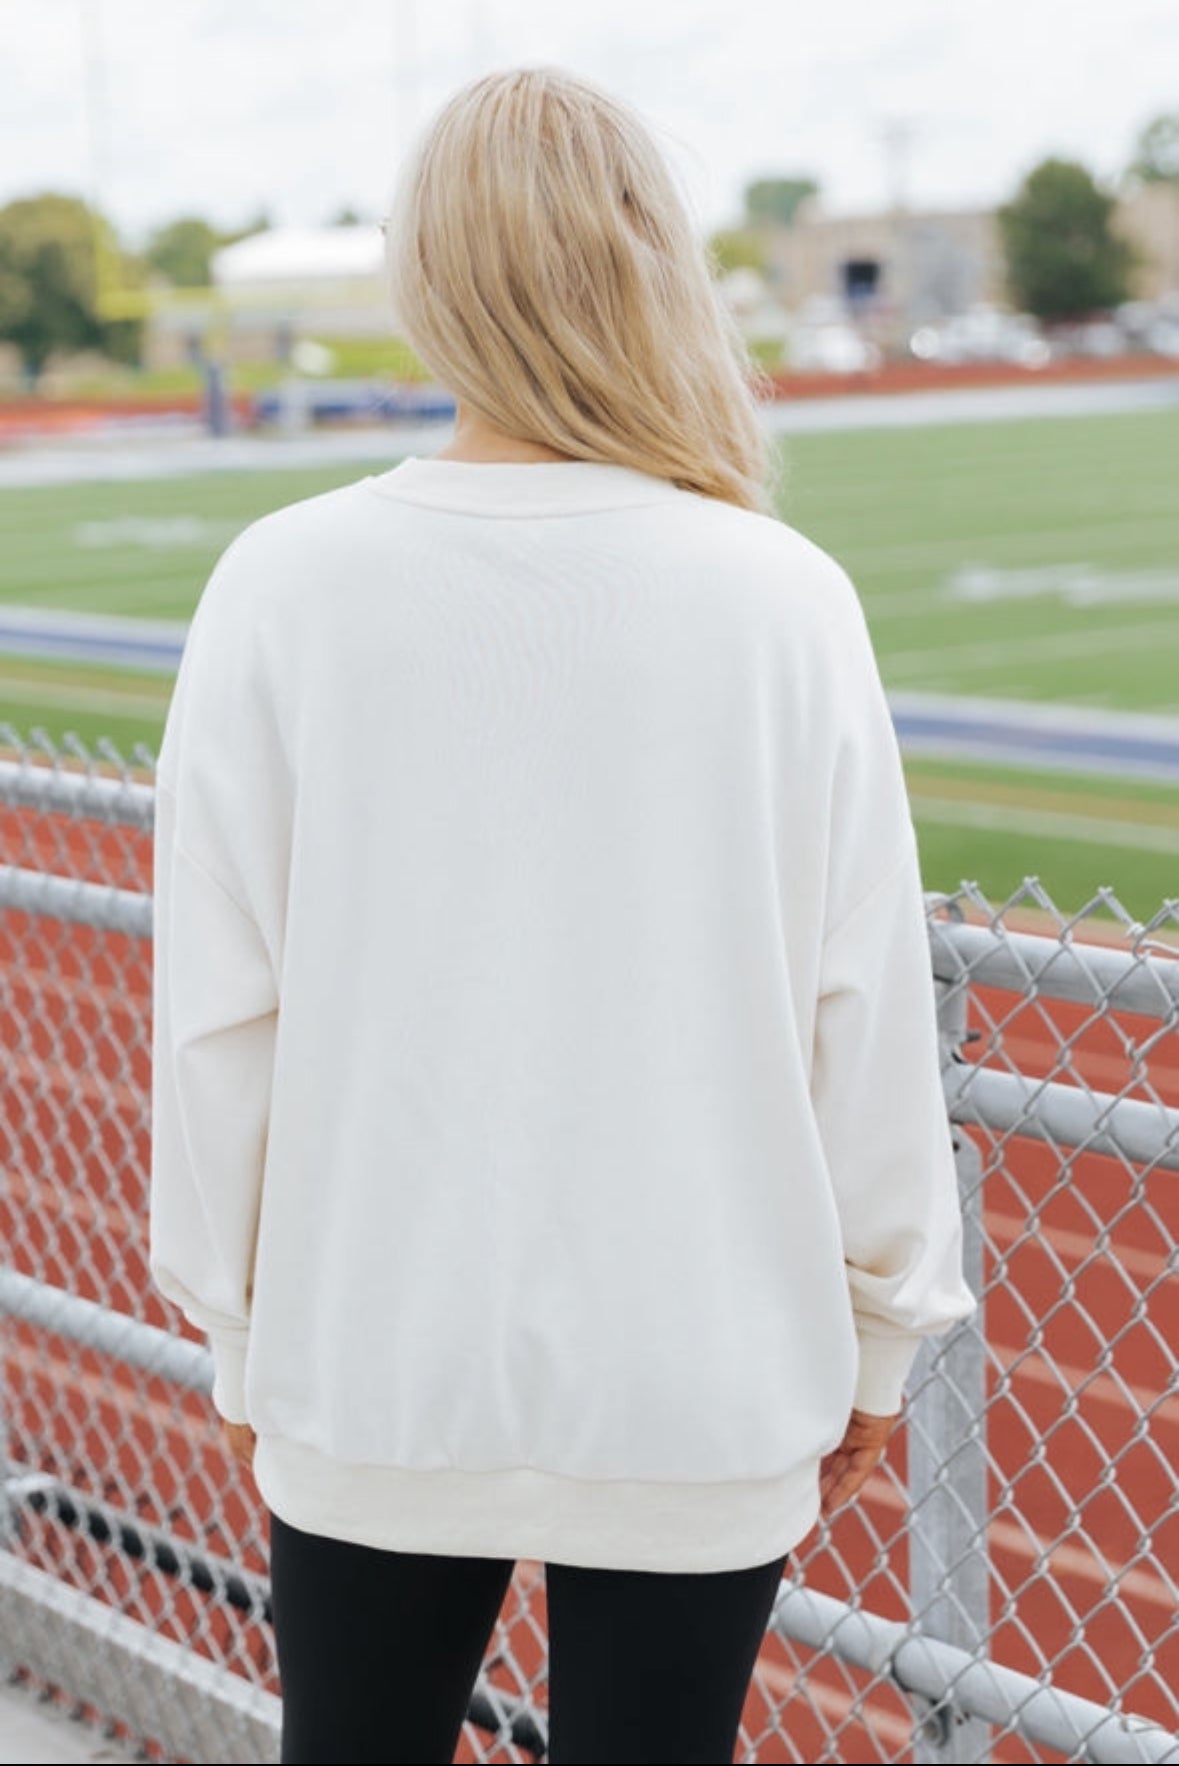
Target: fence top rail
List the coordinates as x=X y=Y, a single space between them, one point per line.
x=103 y=906
x=1143 y=981
x=1142 y=1130
x=92 y=796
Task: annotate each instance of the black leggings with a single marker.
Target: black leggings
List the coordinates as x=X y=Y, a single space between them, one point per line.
x=378 y=1653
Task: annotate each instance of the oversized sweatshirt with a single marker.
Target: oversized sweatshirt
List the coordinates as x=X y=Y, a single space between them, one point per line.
x=548 y=1130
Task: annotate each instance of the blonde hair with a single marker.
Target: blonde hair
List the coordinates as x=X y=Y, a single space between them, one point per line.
x=544 y=268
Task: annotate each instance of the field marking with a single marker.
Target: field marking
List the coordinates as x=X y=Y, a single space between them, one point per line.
x=50 y=1074
x=1073 y=1248
x=1090 y=1068
x=33 y=672
x=76 y=1210
x=1055 y=541
x=155 y=533
x=1050 y=715
x=1065 y=1377
x=1077 y=585
x=118 y=641
x=1074 y=585
x=950 y=658
x=96 y=699
x=1043 y=799
x=54 y=622
x=994 y=818
x=52 y=1369
x=1150 y=1585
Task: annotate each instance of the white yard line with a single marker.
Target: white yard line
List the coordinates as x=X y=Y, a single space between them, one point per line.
x=1073 y=1248
x=1052 y=542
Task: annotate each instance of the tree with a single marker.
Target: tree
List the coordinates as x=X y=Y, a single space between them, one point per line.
x=122 y=338
x=737 y=248
x=48 y=280
x=1156 y=151
x=776 y=200
x=181 y=250
x=345 y=217
x=50 y=247
x=1064 y=259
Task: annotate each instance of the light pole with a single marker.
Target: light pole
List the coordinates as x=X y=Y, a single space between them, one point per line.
x=897 y=135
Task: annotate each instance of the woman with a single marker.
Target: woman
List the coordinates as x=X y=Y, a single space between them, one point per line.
x=548 y=1131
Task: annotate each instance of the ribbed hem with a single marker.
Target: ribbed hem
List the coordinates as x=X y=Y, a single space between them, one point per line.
x=885 y=1363
x=608 y=1524
x=229 y=1374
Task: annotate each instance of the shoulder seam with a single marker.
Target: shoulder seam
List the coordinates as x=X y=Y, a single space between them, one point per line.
x=182 y=850
x=896 y=864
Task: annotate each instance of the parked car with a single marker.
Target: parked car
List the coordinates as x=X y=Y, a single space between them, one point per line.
x=983 y=333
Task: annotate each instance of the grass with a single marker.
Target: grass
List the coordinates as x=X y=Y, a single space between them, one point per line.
x=60 y=545
x=123 y=705
x=996 y=825
x=1070 y=525
x=1034 y=560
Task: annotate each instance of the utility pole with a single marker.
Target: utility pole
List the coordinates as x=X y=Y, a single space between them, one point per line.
x=897 y=135
x=96 y=115
x=406 y=74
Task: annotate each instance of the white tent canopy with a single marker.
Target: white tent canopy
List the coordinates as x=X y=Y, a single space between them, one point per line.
x=286 y=255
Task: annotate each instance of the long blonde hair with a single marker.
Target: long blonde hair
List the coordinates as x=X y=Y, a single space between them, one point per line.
x=544 y=268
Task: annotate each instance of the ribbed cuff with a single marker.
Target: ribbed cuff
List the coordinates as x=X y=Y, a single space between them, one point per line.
x=885 y=1363
x=229 y=1374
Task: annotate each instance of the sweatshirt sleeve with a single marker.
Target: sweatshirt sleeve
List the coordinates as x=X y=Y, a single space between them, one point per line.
x=876 y=1073
x=215 y=997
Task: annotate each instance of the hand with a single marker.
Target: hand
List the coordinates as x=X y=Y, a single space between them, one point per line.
x=240 y=1440
x=845 y=1469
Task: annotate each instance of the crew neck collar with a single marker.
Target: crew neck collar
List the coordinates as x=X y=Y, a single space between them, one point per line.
x=518 y=487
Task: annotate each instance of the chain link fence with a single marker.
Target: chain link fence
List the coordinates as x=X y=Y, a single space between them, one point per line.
x=1005 y=1588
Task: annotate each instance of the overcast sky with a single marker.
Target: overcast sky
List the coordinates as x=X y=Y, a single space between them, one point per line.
x=221 y=107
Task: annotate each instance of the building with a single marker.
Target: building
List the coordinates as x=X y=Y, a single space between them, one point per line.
x=890 y=271
x=896 y=270
x=1149 y=218
x=273 y=288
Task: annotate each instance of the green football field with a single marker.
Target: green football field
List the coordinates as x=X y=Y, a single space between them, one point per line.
x=1033 y=560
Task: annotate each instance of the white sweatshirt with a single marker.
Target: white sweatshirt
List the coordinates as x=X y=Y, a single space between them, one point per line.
x=548 y=1130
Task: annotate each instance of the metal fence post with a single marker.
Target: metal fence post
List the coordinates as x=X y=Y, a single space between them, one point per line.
x=7 y=1505
x=7 y=1520
x=949 y=1572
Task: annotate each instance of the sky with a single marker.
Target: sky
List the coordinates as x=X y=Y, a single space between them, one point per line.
x=224 y=107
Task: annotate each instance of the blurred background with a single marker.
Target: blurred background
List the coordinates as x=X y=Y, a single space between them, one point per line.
x=950 y=235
